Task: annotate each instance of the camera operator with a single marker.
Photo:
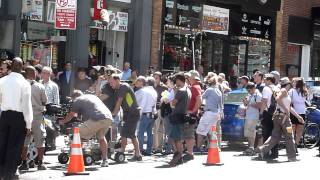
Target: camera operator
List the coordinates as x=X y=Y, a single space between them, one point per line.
x=97 y=119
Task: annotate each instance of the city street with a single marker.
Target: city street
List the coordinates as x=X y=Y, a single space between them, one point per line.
x=155 y=167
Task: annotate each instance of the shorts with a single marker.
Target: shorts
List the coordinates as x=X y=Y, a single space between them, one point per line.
x=38 y=130
x=187 y=131
x=206 y=122
x=176 y=132
x=250 y=128
x=295 y=120
x=91 y=128
x=129 y=127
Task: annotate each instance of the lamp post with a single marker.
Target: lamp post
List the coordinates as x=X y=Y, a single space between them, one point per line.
x=104 y=18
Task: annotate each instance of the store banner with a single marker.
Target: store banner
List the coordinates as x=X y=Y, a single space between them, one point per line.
x=51 y=11
x=118 y=22
x=253 y=25
x=215 y=20
x=32 y=10
x=98 y=5
x=38 y=30
x=66 y=14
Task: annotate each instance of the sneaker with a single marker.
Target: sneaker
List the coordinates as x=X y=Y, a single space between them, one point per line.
x=188 y=157
x=135 y=158
x=24 y=166
x=104 y=163
x=41 y=167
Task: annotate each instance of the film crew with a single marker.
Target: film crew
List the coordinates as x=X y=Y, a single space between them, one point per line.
x=131 y=114
x=97 y=119
x=147 y=101
x=16 y=118
x=38 y=131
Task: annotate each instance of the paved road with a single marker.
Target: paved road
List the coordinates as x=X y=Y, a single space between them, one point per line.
x=155 y=167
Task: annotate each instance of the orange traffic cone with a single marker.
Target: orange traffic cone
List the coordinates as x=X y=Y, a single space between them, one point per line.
x=76 y=164
x=213 y=158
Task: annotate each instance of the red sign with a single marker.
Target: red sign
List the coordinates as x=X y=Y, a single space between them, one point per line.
x=98 y=5
x=66 y=14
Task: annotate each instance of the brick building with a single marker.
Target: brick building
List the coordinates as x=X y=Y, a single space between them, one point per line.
x=292 y=50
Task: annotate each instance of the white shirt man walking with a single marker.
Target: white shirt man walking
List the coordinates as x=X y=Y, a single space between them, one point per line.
x=16 y=118
x=147 y=101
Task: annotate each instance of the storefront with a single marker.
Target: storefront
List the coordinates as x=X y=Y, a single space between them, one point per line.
x=229 y=36
x=40 y=42
x=315 y=53
x=107 y=43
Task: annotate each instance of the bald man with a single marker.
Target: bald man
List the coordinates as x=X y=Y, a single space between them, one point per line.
x=16 y=118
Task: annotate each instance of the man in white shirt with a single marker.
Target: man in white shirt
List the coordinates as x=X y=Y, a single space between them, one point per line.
x=252 y=103
x=269 y=107
x=16 y=118
x=147 y=101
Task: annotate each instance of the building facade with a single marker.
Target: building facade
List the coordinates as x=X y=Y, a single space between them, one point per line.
x=292 y=47
x=27 y=30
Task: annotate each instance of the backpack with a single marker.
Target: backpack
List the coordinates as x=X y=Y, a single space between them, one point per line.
x=273 y=105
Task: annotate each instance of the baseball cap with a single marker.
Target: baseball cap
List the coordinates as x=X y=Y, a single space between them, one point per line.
x=284 y=81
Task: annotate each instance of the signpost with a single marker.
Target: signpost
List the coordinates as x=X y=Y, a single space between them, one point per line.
x=66 y=14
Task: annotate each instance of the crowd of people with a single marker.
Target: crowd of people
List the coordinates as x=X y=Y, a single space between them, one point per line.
x=175 y=108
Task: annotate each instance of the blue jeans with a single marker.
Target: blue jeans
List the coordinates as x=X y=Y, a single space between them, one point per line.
x=146 y=124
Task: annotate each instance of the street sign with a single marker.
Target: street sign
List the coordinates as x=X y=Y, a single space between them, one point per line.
x=66 y=14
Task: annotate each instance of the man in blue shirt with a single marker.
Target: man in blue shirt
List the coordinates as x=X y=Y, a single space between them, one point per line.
x=126 y=74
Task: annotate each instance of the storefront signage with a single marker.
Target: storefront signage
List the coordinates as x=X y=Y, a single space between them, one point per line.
x=258 y=26
x=50 y=11
x=98 y=5
x=125 y=1
x=32 y=9
x=118 y=22
x=38 y=30
x=215 y=20
x=66 y=14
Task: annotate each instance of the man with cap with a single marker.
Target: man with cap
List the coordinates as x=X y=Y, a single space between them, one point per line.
x=282 y=124
x=268 y=106
x=244 y=81
x=193 y=110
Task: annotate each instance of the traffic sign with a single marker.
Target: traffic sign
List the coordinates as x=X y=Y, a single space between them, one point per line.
x=66 y=14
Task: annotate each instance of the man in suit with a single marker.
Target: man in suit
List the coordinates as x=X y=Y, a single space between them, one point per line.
x=65 y=81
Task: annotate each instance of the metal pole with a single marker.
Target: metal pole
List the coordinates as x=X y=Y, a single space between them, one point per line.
x=193 y=54
x=102 y=44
